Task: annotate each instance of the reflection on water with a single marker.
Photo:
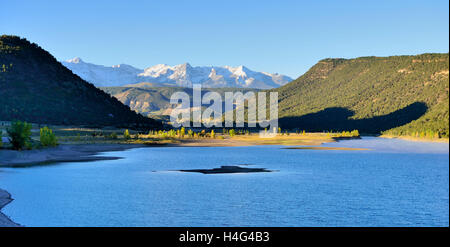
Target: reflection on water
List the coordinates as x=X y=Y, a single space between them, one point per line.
x=396 y=183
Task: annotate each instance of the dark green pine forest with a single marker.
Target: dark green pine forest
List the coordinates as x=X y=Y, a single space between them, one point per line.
x=35 y=87
x=398 y=95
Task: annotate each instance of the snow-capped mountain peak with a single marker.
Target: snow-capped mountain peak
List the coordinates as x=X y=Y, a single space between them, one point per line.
x=155 y=71
x=74 y=60
x=240 y=71
x=179 y=75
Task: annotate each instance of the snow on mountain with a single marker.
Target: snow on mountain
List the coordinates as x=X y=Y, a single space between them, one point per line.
x=103 y=76
x=179 y=75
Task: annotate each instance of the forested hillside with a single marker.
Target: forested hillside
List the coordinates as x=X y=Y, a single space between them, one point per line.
x=35 y=87
x=400 y=95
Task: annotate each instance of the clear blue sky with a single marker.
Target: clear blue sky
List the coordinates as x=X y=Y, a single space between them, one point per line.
x=273 y=36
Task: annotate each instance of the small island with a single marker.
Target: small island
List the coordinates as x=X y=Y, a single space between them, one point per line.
x=227 y=169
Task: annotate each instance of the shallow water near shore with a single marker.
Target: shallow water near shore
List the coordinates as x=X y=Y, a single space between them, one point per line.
x=395 y=183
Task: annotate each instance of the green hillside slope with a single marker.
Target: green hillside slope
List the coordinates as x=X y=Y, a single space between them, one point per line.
x=35 y=87
x=401 y=95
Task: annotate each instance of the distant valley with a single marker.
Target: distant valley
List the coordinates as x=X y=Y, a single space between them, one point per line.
x=154 y=101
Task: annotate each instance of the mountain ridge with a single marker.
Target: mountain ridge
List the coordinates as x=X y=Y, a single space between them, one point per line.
x=182 y=75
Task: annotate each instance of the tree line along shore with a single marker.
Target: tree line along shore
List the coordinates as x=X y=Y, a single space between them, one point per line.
x=20 y=135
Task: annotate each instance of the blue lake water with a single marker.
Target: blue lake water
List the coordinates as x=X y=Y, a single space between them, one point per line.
x=396 y=183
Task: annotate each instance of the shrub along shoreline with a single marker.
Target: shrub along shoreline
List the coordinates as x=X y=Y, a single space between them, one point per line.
x=19 y=134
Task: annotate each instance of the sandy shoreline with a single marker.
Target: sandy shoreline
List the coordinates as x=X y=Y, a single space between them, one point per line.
x=5 y=221
x=61 y=153
x=416 y=139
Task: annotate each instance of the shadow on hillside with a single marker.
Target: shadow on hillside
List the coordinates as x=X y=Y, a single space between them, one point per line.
x=337 y=119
